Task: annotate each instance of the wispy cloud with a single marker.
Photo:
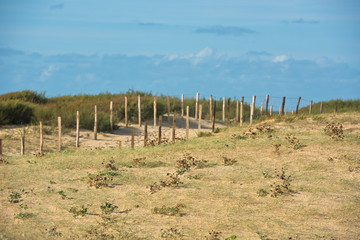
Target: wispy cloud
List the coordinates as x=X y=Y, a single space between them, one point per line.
x=46 y=73
x=300 y=21
x=149 y=24
x=195 y=58
x=10 y=51
x=225 y=30
x=281 y=58
x=57 y=6
x=258 y=53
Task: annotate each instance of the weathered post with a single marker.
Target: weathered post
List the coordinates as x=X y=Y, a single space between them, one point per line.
x=160 y=124
x=132 y=139
x=182 y=105
x=174 y=126
x=139 y=109
x=214 y=117
x=336 y=109
x=321 y=107
x=210 y=107
x=41 y=139
x=242 y=111
x=145 y=134
x=283 y=106
x=271 y=109
x=200 y=113
x=261 y=110
x=120 y=144
x=155 y=111
x=252 y=109
x=197 y=105
x=280 y=111
x=22 y=141
x=168 y=107
x=310 y=107
x=297 y=106
x=59 y=128
x=285 y=111
x=228 y=112
x=237 y=111
x=95 y=124
x=223 y=112
x=187 y=122
x=267 y=104
x=77 y=128
x=126 y=111
x=111 y=117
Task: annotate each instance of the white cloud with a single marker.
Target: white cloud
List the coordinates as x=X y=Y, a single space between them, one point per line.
x=281 y=58
x=48 y=72
x=195 y=58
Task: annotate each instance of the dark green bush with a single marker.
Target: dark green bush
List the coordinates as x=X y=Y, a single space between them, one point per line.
x=15 y=112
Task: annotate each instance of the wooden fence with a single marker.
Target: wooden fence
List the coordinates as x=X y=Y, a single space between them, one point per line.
x=239 y=118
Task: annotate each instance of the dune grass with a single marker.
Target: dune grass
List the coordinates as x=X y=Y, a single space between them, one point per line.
x=306 y=192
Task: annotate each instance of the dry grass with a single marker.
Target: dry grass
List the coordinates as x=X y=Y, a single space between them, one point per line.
x=324 y=204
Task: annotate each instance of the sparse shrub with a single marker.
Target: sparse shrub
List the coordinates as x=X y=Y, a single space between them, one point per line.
x=216 y=130
x=24 y=215
x=262 y=193
x=204 y=134
x=277 y=148
x=282 y=188
x=109 y=164
x=172 y=233
x=188 y=161
x=170 y=211
x=100 y=180
x=62 y=194
x=294 y=142
x=229 y=161
x=196 y=177
x=214 y=235
x=78 y=212
x=52 y=231
x=107 y=208
x=334 y=130
x=173 y=180
x=139 y=161
x=3 y=160
x=15 y=197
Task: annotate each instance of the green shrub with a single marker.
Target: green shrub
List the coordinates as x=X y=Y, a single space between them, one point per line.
x=15 y=112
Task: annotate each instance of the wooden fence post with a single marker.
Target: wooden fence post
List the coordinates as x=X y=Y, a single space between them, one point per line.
x=41 y=138
x=228 y=112
x=271 y=108
x=214 y=117
x=95 y=124
x=197 y=106
x=223 y=112
x=200 y=113
x=126 y=111
x=155 y=111
x=297 y=106
x=174 y=126
x=132 y=139
x=261 y=110
x=210 y=107
x=187 y=122
x=252 y=109
x=59 y=129
x=292 y=112
x=111 y=117
x=280 y=111
x=22 y=141
x=336 y=109
x=77 y=128
x=160 y=125
x=267 y=104
x=182 y=105
x=283 y=106
x=120 y=144
x=139 y=109
x=285 y=111
x=321 y=107
x=237 y=111
x=145 y=134
x=310 y=107
x=242 y=111
x=168 y=107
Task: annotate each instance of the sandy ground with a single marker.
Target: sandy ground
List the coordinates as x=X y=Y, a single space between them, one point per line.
x=11 y=135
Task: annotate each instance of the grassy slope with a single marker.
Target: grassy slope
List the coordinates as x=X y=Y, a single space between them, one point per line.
x=326 y=204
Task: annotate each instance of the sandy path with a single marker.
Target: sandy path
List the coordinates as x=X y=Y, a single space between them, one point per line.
x=10 y=136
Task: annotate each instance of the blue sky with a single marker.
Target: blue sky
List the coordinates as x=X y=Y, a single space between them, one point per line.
x=308 y=48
